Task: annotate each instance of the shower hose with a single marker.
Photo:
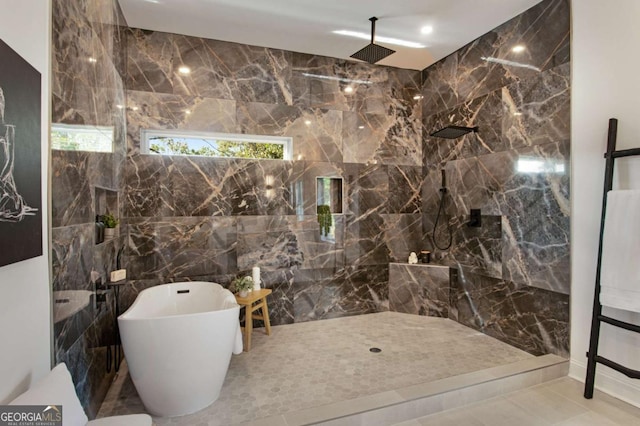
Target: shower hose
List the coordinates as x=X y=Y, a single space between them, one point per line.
x=443 y=190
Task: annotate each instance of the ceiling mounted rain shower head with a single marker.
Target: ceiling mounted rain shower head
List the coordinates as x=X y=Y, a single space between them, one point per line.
x=372 y=52
x=453 y=132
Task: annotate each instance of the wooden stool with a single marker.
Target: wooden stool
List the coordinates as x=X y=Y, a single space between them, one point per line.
x=259 y=297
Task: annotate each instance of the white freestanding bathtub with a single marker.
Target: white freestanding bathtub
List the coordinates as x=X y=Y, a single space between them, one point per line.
x=178 y=339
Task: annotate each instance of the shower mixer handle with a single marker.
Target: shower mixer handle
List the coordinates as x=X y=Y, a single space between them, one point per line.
x=443 y=180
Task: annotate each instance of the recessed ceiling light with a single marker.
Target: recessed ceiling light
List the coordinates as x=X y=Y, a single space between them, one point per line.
x=307 y=122
x=518 y=48
x=348 y=89
x=360 y=127
x=388 y=40
x=427 y=29
x=184 y=70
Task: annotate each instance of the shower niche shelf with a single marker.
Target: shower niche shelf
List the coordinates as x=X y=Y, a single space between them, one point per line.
x=105 y=201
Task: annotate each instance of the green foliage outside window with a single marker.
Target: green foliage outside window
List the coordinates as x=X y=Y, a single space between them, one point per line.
x=216 y=148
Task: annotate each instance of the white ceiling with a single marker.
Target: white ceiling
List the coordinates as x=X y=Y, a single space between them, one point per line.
x=306 y=25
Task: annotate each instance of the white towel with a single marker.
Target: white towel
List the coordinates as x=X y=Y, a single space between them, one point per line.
x=620 y=273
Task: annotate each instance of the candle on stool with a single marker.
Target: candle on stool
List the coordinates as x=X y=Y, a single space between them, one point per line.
x=256 y=277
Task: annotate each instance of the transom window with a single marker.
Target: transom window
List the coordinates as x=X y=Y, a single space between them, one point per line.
x=225 y=145
x=76 y=137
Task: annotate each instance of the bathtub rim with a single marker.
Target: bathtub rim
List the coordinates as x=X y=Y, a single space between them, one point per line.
x=123 y=316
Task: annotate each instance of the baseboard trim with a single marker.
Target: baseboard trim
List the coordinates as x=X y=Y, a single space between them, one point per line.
x=609 y=381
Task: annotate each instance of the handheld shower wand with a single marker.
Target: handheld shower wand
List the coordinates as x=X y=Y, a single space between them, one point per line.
x=443 y=190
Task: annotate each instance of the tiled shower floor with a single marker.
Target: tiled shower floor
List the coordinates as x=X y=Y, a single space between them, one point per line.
x=315 y=363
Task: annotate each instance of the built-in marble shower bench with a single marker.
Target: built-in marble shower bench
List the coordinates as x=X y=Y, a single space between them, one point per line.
x=420 y=289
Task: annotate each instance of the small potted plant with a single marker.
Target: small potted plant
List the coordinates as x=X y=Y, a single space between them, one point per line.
x=242 y=285
x=110 y=223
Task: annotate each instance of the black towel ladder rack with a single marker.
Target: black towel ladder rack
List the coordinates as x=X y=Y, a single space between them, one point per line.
x=598 y=318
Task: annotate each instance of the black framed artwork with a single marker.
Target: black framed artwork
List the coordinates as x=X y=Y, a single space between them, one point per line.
x=20 y=159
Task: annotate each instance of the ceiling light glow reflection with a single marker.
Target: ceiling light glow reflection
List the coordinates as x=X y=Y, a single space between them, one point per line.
x=390 y=40
x=536 y=165
x=510 y=63
x=332 y=77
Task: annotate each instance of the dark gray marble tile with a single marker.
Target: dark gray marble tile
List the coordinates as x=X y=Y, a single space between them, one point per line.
x=364 y=240
x=536 y=251
x=270 y=250
x=259 y=224
x=316 y=133
x=363 y=135
x=529 y=318
x=280 y=303
x=479 y=250
x=72 y=257
x=196 y=185
x=479 y=183
x=509 y=182
x=536 y=110
x=181 y=248
x=268 y=119
x=402 y=234
x=319 y=81
x=260 y=187
x=87 y=363
x=539 y=183
x=393 y=137
x=324 y=294
x=321 y=249
x=218 y=69
x=367 y=188
x=145 y=189
x=485 y=112
x=161 y=111
x=268 y=242
x=405 y=189
x=81 y=32
x=87 y=89
x=488 y=63
x=71 y=198
x=306 y=187
x=419 y=289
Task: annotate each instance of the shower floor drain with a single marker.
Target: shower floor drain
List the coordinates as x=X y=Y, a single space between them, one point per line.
x=375 y=350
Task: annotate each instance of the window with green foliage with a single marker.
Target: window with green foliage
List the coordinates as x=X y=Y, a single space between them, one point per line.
x=76 y=137
x=162 y=142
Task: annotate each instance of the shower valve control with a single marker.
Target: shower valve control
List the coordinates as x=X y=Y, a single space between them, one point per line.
x=475 y=218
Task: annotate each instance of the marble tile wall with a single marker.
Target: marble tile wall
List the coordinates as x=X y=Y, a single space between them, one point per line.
x=513 y=272
x=191 y=218
x=195 y=218
x=419 y=289
x=88 y=57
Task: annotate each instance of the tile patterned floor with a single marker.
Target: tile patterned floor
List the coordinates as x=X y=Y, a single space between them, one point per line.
x=558 y=402
x=316 y=363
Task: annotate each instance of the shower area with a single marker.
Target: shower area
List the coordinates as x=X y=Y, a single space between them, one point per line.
x=369 y=181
